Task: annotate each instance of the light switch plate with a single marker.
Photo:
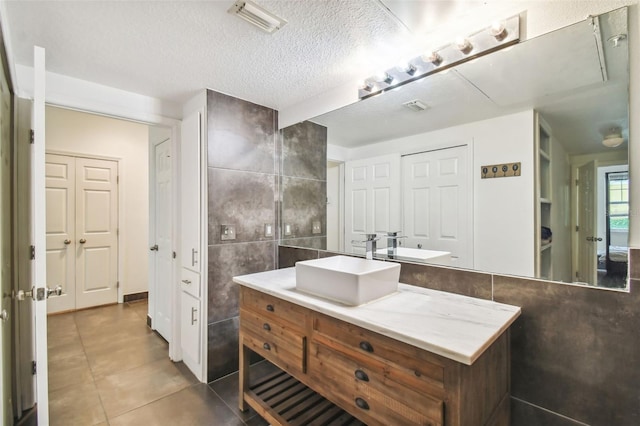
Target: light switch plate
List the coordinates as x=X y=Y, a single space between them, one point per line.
x=287 y=229
x=227 y=232
x=268 y=230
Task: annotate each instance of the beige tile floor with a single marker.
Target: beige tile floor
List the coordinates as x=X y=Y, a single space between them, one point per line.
x=106 y=367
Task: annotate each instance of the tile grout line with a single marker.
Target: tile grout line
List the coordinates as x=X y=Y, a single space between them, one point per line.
x=93 y=378
x=232 y=409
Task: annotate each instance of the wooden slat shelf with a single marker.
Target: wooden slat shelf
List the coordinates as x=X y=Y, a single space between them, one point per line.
x=282 y=400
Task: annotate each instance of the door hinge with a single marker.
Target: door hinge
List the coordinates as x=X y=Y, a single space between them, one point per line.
x=117 y=284
x=117 y=232
x=174 y=254
x=32 y=252
x=32 y=136
x=577 y=228
x=118 y=180
x=577 y=182
x=33 y=368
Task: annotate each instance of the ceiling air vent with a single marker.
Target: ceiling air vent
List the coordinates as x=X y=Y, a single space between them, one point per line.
x=416 y=105
x=257 y=15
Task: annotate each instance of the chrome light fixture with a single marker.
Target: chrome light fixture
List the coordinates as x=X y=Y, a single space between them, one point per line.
x=499 y=35
x=257 y=15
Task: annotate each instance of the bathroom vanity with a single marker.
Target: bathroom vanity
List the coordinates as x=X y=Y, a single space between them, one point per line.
x=417 y=356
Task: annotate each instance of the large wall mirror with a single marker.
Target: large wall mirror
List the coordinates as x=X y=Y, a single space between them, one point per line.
x=418 y=163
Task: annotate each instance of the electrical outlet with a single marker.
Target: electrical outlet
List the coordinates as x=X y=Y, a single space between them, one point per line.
x=316 y=227
x=227 y=232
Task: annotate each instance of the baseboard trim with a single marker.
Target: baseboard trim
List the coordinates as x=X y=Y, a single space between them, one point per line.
x=136 y=296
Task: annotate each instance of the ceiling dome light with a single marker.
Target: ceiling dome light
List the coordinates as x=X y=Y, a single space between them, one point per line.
x=613 y=140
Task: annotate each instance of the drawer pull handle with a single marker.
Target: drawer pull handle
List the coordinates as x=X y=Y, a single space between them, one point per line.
x=361 y=375
x=266 y=326
x=366 y=346
x=266 y=347
x=270 y=308
x=187 y=282
x=362 y=403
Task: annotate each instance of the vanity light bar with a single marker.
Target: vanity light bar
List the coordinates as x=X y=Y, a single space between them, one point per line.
x=499 y=35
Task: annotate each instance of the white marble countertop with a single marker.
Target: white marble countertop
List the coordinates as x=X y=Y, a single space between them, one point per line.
x=457 y=327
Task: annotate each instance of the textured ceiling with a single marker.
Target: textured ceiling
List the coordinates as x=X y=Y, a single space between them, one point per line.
x=172 y=49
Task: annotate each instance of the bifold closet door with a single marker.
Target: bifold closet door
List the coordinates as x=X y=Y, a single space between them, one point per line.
x=82 y=223
x=60 y=176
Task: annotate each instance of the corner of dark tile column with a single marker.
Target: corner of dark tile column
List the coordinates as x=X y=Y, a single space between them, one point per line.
x=222 y=348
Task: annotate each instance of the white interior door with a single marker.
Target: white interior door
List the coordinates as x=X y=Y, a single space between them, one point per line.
x=437 y=205
x=372 y=198
x=162 y=249
x=96 y=232
x=60 y=178
x=587 y=224
x=38 y=226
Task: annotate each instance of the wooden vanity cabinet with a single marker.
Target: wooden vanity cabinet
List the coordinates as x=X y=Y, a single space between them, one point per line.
x=377 y=379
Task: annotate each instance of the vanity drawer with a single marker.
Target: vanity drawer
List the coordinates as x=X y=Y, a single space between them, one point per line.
x=272 y=308
x=402 y=363
x=370 y=395
x=288 y=354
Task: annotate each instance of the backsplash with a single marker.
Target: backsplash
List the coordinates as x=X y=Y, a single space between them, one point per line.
x=575 y=350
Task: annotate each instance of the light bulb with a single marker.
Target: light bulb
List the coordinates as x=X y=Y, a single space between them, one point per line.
x=432 y=57
x=463 y=44
x=497 y=29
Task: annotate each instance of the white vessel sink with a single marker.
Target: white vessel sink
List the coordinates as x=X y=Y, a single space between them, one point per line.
x=429 y=256
x=348 y=280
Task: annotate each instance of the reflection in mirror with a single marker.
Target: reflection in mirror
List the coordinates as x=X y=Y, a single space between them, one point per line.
x=513 y=163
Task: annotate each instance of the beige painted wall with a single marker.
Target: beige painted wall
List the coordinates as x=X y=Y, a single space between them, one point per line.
x=80 y=133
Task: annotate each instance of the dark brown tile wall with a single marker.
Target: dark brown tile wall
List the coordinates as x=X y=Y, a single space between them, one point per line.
x=227 y=261
x=304 y=184
x=241 y=134
x=304 y=151
x=634 y=263
x=575 y=350
x=243 y=199
x=242 y=191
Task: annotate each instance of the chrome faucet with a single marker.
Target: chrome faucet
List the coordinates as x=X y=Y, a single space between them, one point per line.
x=392 y=243
x=370 y=246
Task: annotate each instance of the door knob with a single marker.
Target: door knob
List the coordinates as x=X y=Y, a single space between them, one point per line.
x=67 y=242
x=4 y=315
x=154 y=247
x=57 y=291
x=82 y=241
